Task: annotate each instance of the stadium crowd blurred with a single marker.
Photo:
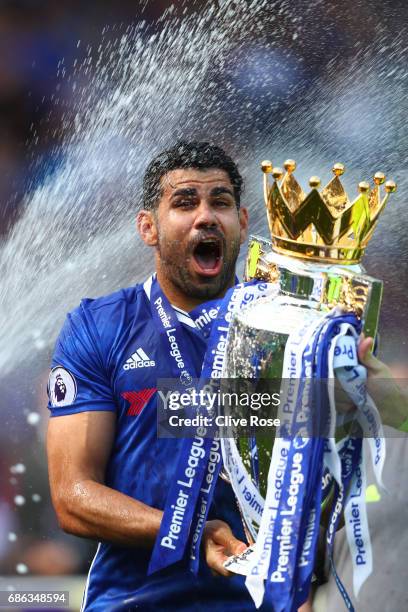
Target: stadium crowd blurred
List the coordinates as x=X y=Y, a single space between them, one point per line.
x=34 y=37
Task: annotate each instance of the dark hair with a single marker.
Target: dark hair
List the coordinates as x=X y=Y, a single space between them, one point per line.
x=199 y=155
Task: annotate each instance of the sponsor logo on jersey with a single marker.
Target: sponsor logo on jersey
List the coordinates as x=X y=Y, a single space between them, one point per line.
x=139 y=359
x=137 y=400
x=62 y=387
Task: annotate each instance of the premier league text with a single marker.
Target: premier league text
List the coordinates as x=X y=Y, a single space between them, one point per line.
x=186 y=489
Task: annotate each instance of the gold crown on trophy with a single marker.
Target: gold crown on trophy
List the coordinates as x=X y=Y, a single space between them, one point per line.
x=322 y=225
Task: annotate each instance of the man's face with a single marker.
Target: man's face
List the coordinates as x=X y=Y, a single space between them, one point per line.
x=199 y=231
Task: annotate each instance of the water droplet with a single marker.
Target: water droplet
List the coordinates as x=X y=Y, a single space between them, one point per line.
x=19 y=500
x=21 y=568
x=12 y=537
x=36 y=498
x=19 y=468
x=33 y=418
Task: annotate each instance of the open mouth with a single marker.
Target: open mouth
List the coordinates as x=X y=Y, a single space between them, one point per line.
x=207 y=256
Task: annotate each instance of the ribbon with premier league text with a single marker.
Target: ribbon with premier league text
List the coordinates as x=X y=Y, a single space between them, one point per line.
x=304 y=468
x=282 y=564
x=199 y=463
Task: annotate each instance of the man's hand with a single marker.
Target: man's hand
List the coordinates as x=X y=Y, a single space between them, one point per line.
x=218 y=544
x=390 y=399
x=375 y=367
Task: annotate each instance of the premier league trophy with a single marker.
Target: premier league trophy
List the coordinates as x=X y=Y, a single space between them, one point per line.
x=313 y=260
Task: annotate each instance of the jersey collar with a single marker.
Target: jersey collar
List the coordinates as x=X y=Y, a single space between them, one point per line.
x=182 y=315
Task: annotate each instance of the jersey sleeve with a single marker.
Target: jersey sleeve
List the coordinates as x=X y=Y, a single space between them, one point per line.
x=78 y=381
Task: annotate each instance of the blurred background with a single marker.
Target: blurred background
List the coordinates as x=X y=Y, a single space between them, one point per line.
x=89 y=92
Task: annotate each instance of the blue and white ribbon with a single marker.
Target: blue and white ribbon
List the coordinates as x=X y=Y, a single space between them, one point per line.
x=199 y=463
x=282 y=563
x=290 y=519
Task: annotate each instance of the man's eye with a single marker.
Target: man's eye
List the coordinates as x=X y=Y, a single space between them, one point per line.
x=223 y=203
x=184 y=203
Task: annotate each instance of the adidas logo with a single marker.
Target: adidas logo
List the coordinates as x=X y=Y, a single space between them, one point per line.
x=139 y=359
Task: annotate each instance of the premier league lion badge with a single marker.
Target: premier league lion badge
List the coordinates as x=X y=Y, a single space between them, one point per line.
x=62 y=388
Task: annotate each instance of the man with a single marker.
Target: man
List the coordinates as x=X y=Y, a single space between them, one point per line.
x=109 y=473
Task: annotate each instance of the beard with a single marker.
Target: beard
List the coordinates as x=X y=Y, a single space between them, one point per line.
x=175 y=261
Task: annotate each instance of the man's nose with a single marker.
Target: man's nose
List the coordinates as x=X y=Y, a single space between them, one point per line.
x=206 y=215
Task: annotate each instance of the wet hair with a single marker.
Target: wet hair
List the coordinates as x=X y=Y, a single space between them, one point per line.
x=197 y=155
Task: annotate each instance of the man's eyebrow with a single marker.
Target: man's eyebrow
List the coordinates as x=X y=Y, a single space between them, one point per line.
x=192 y=191
x=186 y=191
x=220 y=190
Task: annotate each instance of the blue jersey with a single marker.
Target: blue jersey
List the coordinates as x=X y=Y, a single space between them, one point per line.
x=108 y=357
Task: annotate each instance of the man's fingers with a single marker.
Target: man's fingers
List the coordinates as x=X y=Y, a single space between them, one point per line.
x=221 y=534
x=219 y=544
x=375 y=367
x=236 y=547
x=366 y=356
x=215 y=560
x=364 y=349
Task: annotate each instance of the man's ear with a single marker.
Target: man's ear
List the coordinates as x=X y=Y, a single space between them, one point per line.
x=147 y=227
x=243 y=222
